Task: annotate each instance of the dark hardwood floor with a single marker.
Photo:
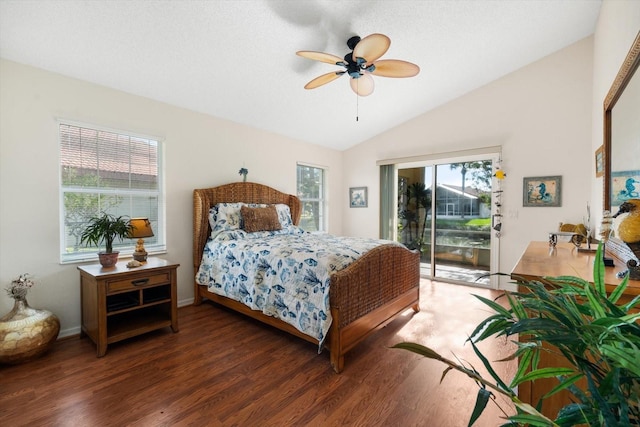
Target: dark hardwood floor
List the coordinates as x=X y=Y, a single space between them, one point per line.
x=224 y=369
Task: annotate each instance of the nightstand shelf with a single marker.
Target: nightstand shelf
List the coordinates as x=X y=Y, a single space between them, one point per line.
x=120 y=303
x=132 y=323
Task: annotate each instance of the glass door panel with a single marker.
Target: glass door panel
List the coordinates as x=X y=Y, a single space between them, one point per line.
x=414 y=211
x=450 y=205
x=462 y=225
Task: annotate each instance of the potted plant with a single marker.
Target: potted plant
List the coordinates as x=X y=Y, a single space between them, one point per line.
x=598 y=335
x=106 y=227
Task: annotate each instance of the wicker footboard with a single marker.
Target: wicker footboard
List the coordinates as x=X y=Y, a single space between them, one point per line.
x=364 y=297
x=369 y=294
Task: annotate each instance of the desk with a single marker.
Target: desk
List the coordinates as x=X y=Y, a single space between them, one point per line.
x=538 y=261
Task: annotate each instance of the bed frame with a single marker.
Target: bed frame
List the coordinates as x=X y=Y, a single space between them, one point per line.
x=363 y=297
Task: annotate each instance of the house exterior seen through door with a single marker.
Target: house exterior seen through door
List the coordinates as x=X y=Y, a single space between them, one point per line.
x=444 y=210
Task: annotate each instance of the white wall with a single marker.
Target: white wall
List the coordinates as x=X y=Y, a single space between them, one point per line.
x=200 y=151
x=540 y=115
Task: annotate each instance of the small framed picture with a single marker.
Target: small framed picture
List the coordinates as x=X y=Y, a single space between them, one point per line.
x=542 y=191
x=625 y=185
x=358 y=197
x=600 y=161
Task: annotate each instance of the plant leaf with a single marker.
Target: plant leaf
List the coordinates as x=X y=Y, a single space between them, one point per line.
x=619 y=290
x=495 y=306
x=546 y=373
x=419 y=349
x=631 y=304
x=494 y=325
x=489 y=368
x=624 y=357
x=596 y=307
x=572 y=414
x=566 y=383
x=517 y=307
x=523 y=366
x=598 y=272
x=445 y=372
x=481 y=404
x=532 y=420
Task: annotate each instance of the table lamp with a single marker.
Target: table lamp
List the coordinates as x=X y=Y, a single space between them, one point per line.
x=140 y=228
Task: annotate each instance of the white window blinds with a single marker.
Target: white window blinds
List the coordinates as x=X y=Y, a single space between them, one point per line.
x=112 y=172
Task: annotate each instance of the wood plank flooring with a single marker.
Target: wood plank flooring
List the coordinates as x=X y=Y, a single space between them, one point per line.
x=223 y=369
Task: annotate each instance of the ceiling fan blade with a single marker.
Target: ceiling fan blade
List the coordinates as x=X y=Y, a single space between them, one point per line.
x=372 y=47
x=395 y=68
x=320 y=56
x=363 y=85
x=323 y=79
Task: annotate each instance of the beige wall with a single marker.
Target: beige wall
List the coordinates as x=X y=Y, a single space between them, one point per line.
x=200 y=151
x=541 y=117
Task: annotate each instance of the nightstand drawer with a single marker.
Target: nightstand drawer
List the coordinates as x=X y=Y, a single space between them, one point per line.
x=137 y=282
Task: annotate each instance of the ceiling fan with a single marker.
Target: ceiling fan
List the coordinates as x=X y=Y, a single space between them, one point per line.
x=360 y=63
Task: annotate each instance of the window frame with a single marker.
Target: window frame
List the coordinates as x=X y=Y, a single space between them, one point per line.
x=323 y=223
x=126 y=250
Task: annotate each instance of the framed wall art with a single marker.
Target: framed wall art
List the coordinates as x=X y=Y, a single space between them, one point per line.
x=358 y=197
x=625 y=185
x=600 y=161
x=542 y=191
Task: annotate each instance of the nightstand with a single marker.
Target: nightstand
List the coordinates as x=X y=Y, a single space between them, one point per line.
x=121 y=302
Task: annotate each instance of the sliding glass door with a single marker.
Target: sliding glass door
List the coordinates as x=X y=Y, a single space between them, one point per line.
x=444 y=210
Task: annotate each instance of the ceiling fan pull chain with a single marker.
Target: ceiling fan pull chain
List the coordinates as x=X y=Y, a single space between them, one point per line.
x=357 y=105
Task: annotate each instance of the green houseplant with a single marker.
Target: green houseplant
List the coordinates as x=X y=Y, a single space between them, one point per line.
x=597 y=335
x=106 y=227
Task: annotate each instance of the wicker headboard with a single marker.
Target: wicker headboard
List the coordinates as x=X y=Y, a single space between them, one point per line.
x=247 y=192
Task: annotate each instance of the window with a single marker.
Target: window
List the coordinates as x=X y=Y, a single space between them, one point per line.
x=311 y=191
x=108 y=171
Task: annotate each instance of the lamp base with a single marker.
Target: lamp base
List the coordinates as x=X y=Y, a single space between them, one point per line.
x=140 y=256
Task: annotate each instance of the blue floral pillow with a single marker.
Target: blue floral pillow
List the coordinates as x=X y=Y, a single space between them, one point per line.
x=284 y=215
x=225 y=216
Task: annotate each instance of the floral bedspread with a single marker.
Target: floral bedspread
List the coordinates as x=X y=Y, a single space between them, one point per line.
x=283 y=275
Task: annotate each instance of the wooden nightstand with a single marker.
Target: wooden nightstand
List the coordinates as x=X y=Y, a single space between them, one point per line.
x=120 y=302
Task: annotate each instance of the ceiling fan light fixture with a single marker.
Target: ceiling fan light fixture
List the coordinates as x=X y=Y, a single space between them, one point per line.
x=361 y=62
x=363 y=86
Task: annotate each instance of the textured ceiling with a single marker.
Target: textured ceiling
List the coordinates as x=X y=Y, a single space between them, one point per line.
x=236 y=59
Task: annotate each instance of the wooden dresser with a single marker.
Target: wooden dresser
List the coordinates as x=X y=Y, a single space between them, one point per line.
x=539 y=261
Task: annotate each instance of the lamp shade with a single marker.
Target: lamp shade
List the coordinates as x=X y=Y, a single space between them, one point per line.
x=140 y=228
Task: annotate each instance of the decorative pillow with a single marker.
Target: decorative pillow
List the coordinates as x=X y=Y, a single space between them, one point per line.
x=284 y=215
x=260 y=219
x=225 y=216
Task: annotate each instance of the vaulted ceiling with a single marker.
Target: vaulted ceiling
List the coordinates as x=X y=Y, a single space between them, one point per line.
x=235 y=59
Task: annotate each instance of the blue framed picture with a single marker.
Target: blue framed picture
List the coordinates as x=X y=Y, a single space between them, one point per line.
x=542 y=191
x=625 y=185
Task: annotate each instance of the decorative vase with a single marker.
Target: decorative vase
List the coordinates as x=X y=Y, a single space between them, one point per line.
x=26 y=333
x=108 y=259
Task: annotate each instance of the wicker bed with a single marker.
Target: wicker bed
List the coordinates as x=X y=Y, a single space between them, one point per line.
x=363 y=297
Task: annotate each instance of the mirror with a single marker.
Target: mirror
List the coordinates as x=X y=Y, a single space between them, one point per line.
x=622 y=133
